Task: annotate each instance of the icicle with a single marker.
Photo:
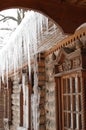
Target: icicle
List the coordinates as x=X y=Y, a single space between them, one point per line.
x=24 y=41
x=27 y=32
x=7 y=71
x=24 y=97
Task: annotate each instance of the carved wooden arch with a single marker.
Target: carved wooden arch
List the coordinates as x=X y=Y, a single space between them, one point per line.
x=68 y=16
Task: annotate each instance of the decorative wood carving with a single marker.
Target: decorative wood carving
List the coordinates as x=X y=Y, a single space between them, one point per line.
x=70 y=80
x=70 y=61
x=68 y=41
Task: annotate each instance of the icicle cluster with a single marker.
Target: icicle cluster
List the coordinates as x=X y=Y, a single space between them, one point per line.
x=22 y=43
x=21 y=47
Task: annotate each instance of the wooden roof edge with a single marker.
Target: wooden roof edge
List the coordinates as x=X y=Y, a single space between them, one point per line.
x=77 y=35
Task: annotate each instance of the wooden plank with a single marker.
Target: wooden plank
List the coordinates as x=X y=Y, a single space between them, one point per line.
x=67 y=15
x=67 y=41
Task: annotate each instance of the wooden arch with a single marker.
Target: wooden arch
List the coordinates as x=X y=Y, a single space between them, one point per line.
x=68 y=16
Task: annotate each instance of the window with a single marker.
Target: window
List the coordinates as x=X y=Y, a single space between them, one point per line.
x=71 y=96
x=69 y=103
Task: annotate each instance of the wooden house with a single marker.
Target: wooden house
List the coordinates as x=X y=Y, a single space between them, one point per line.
x=58 y=102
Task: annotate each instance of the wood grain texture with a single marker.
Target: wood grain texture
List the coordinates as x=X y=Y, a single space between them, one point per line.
x=68 y=16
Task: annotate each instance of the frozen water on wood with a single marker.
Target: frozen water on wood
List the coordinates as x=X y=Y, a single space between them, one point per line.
x=26 y=35
x=21 y=47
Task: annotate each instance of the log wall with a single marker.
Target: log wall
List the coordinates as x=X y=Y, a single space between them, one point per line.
x=41 y=84
x=15 y=103
x=50 y=94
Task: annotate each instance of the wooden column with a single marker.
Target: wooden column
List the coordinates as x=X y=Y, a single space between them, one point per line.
x=9 y=100
x=41 y=84
x=5 y=103
x=58 y=103
x=21 y=107
x=1 y=108
x=29 y=87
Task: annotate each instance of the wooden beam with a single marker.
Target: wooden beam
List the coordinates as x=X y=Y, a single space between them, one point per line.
x=68 y=16
x=67 y=41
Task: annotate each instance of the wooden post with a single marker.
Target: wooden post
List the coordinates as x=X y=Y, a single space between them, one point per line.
x=21 y=107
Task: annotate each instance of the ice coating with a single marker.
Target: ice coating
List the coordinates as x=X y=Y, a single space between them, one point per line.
x=23 y=46
x=22 y=42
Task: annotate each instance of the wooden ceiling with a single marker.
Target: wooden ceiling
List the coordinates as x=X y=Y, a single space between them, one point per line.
x=69 y=14
x=76 y=2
